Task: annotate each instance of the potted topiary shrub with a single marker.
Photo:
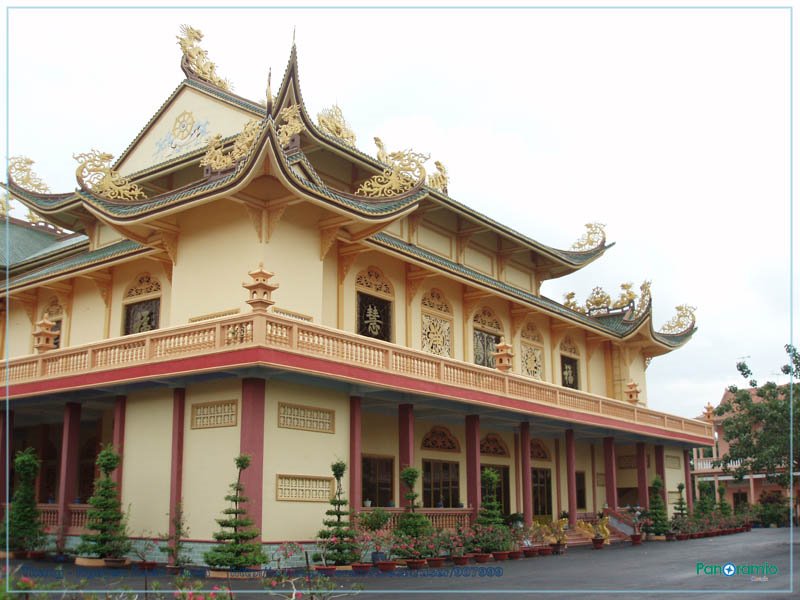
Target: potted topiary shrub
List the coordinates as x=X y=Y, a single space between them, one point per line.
x=25 y=531
x=174 y=546
x=105 y=517
x=371 y=522
x=493 y=536
x=337 y=542
x=237 y=549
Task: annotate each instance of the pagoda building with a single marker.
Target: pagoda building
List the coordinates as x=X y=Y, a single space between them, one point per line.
x=245 y=279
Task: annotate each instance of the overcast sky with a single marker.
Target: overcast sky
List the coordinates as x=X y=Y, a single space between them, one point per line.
x=671 y=127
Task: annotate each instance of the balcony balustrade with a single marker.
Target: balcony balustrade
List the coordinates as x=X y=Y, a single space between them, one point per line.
x=706 y=464
x=261 y=329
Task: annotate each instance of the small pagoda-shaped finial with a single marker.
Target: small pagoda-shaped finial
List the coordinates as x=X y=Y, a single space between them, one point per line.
x=632 y=392
x=44 y=336
x=503 y=356
x=260 y=289
x=709 y=411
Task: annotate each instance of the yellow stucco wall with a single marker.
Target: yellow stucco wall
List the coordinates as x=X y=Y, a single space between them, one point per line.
x=208 y=455
x=296 y=452
x=636 y=372
x=87 y=320
x=20 y=331
x=148 y=450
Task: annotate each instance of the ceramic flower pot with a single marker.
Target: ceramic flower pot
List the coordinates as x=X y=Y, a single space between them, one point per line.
x=500 y=555
x=361 y=568
x=460 y=560
x=598 y=543
x=515 y=554
x=482 y=557
x=416 y=563
x=636 y=539
x=386 y=566
x=328 y=571
x=436 y=562
x=530 y=552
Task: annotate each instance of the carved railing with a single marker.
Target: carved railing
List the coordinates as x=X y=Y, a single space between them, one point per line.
x=707 y=464
x=48 y=515
x=442 y=518
x=274 y=331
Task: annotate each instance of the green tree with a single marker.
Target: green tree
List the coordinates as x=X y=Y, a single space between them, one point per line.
x=722 y=506
x=490 y=512
x=658 y=510
x=705 y=502
x=105 y=516
x=25 y=531
x=681 y=509
x=338 y=538
x=238 y=548
x=412 y=523
x=758 y=428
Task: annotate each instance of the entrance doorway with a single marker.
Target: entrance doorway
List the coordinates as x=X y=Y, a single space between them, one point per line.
x=541 y=482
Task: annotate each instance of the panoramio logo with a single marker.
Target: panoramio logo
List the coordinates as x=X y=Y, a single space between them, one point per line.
x=729 y=569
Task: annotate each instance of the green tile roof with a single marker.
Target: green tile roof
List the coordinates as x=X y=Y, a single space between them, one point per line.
x=20 y=241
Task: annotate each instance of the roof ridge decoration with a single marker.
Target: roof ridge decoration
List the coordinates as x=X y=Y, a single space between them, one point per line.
x=682 y=322
x=404 y=173
x=594 y=237
x=94 y=174
x=292 y=124
x=644 y=301
x=439 y=180
x=331 y=121
x=5 y=205
x=599 y=302
x=21 y=174
x=195 y=61
x=217 y=160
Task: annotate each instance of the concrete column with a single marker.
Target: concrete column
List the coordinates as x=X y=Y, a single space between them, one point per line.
x=610 y=465
x=525 y=461
x=68 y=472
x=687 y=475
x=473 y=463
x=355 y=454
x=118 y=440
x=176 y=463
x=751 y=497
x=405 y=423
x=661 y=470
x=572 y=497
x=251 y=442
x=641 y=475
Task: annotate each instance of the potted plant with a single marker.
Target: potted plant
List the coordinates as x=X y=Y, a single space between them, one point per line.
x=458 y=545
x=143 y=550
x=636 y=522
x=110 y=541
x=236 y=548
x=518 y=537
x=364 y=543
x=494 y=536
x=601 y=533
x=658 y=510
x=284 y=553
x=558 y=536
x=371 y=522
x=437 y=543
x=25 y=531
x=174 y=545
x=337 y=539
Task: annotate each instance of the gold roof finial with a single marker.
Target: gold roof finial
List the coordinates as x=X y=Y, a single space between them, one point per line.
x=5 y=206
x=709 y=411
x=594 y=237
x=438 y=181
x=405 y=171
x=196 y=58
x=94 y=173
x=683 y=321
x=292 y=124
x=331 y=121
x=269 y=89
x=20 y=172
x=294 y=30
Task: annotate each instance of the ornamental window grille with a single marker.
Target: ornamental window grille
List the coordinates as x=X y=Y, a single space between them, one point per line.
x=374 y=317
x=440 y=484
x=486 y=333
x=493 y=445
x=144 y=285
x=532 y=358
x=440 y=438
x=569 y=372
x=437 y=324
x=539 y=450
x=373 y=280
x=501 y=492
x=142 y=305
x=568 y=346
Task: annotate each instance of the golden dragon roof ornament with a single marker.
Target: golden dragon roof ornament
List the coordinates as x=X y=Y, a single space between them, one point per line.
x=94 y=173
x=439 y=180
x=382 y=155
x=569 y=302
x=594 y=237
x=5 y=205
x=626 y=296
x=598 y=301
x=683 y=321
x=195 y=59
x=405 y=171
x=19 y=170
x=218 y=160
x=644 y=299
x=331 y=121
x=292 y=125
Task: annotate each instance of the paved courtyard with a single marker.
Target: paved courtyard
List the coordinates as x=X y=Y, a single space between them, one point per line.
x=760 y=564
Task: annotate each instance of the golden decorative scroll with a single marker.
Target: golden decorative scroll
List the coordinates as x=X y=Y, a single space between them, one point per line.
x=5 y=206
x=217 y=160
x=438 y=181
x=626 y=296
x=197 y=58
x=405 y=172
x=681 y=322
x=569 y=302
x=598 y=300
x=594 y=237
x=382 y=155
x=292 y=125
x=94 y=173
x=19 y=170
x=644 y=299
x=331 y=121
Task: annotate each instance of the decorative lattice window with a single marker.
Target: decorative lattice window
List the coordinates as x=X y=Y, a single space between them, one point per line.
x=142 y=305
x=486 y=333
x=306 y=418
x=493 y=445
x=440 y=438
x=569 y=372
x=144 y=285
x=486 y=319
x=221 y=413
x=435 y=300
x=304 y=488
x=437 y=324
x=539 y=450
x=530 y=332
x=532 y=358
x=374 y=317
x=672 y=461
x=569 y=346
x=373 y=280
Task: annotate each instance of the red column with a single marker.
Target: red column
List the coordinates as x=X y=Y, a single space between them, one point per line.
x=558 y=477
x=355 y=454
x=687 y=475
x=118 y=440
x=572 y=497
x=68 y=473
x=6 y=429
x=641 y=475
x=176 y=464
x=251 y=442
x=405 y=421
x=610 y=460
x=525 y=461
x=594 y=480
x=473 y=432
x=661 y=471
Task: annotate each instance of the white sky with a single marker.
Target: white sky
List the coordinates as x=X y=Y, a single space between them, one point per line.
x=669 y=126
